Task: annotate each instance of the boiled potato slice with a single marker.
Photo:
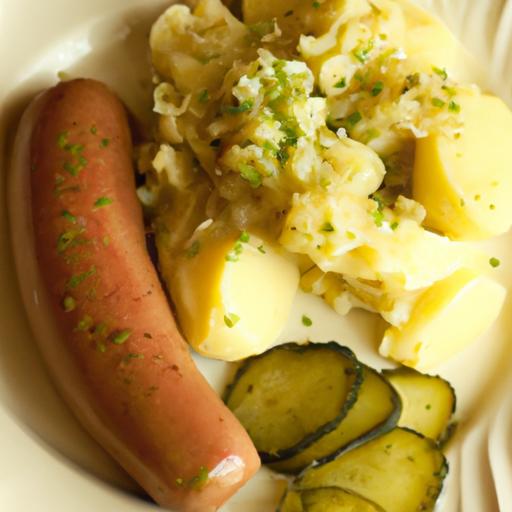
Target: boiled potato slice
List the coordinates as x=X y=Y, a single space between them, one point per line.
x=465 y=184
x=232 y=295
x=446 y=318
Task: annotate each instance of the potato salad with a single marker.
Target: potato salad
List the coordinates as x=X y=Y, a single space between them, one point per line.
x=331 y=145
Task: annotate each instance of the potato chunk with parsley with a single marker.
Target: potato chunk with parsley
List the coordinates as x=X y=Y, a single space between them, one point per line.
x=233 y=294
x=465 y=182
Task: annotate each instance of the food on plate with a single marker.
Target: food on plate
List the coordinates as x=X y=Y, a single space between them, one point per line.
x=375 y=412
x=400 y=471
x=115 y=351
x=340 y=133
x=428 y=402
x=327 y=499
x=362 y=458
x=233 y=292
x=444 y=319
x=291 y=396
x=335 y=145
x=464 y=188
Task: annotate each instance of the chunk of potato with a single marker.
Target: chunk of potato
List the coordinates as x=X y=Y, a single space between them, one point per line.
x=232 y=295
x=465 y=184
x=446 y=318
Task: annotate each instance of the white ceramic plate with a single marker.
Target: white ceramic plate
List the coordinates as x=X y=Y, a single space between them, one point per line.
x=47 y=462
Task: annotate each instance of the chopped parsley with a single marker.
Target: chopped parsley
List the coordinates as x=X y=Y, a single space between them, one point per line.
x=230 y=319
x=93 y=129
x=492 y=207
x=244 y=237
x=454 y=107
x=341 y=83
x=119 y=337
x=394 y=226
x=438 y=102
x=194 y=249
x=316 y=5
x=327 y=227
x=67 y=238
x=234 y=110
x=104 y=143
x=377 y=88
x=354 y=118
x=441 y=72
x=203 y=96
x=378 y=213
x=69 y=304
x=350 y=235
x=68 y=216
x=307 y=321
x=234 y=254
x=102 y=201
x=494 y=262
x=262 y=249
x=362 y=53
x=200 y=480
x=251 y=175
x=78 y=279
x=85 y=324
x=62 y=140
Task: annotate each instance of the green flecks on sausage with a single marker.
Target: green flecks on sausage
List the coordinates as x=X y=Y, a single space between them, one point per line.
x=84 y=324
x=68 y=216
x=78 y=279
x=68 y=239
x=69 y=304
x=102 y=201
x=119 y=337
x=104 y=143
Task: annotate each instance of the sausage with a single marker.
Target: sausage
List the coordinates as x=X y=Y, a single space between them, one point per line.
x=100 y=316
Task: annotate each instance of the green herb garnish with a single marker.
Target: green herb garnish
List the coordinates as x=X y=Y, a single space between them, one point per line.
x=262 y=249
x=362 y=53
x=78 y=279
x=340 y=84
x=454 y=107
x=354 y=118
x=251 y=175
x=394 y=226
x=62 y=140
x=316 y=5
x=85 y=324
x=307 y=321
x=441 y=72
x=243 y=107
x=67 y=238
x=119 y=337
x=244 y=237
x=230 y=319
x=102 y=201
x=438 y=102
x=93 y=129
x=203 y=96
x=199 y=481
x=377 y=88
x=69 y=304
x=104 y=143
x=494 y=262
x=68 y=216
